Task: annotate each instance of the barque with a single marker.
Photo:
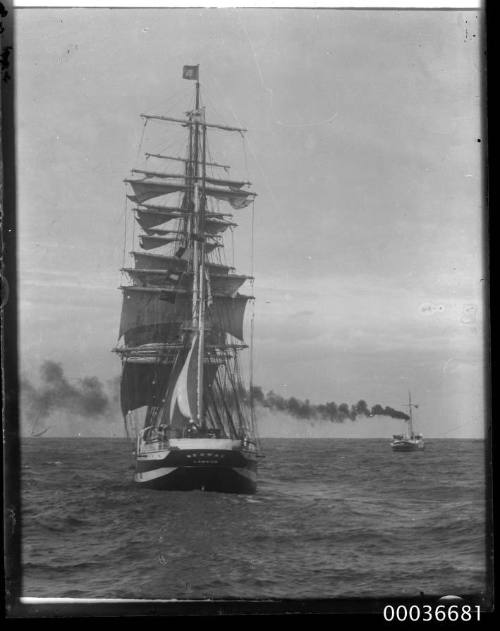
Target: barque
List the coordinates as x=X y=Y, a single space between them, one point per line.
x=181 y=329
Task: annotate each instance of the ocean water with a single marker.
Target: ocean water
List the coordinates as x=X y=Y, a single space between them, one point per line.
x=332 y=518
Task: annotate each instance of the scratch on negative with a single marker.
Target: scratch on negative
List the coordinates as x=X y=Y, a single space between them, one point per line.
x=259 y=70
x=270 y=91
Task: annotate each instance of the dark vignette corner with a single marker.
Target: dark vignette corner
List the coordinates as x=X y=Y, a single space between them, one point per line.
x=9 y=359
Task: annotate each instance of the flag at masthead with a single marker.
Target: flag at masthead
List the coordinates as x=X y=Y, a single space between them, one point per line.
x=190 y=72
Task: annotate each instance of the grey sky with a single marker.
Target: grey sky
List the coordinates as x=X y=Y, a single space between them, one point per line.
x=363 y=147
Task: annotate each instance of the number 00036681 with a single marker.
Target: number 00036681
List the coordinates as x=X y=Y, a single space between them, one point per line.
x=428 y=613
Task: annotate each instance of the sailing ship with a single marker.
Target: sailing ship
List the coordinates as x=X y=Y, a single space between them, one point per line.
x=182 y=321
x=409 y=441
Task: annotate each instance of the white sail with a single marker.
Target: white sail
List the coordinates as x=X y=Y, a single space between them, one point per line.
x=185 y=391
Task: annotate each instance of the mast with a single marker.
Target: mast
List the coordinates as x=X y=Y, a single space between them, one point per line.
x=410 y=407
x=181 y=302
x=411 y=415
x=195 y=260
x=201 y=314
x=199 y=253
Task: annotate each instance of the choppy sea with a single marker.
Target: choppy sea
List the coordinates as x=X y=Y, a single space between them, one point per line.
x=331 y=518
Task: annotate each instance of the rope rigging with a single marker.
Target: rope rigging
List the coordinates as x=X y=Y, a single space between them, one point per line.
x=225 y=399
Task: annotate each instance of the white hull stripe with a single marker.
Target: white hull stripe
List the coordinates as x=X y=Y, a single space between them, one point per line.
x=146 y=476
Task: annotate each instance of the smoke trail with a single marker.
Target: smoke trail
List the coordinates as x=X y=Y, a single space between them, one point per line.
x=87 y=398
x=325 y=411
x=275 y=424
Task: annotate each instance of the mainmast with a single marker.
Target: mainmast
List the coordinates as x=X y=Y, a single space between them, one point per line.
x=198 y=236
x=201 y=312
x=194 y=232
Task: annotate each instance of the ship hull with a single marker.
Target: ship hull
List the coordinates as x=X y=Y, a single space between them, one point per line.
x=407 y=445
x=207 y=468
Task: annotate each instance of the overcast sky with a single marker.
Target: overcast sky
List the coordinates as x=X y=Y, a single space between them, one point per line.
x=363 y=146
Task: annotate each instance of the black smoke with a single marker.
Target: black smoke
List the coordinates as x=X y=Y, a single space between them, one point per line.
x=89 y=398
x=86 y=397
x=326 y=411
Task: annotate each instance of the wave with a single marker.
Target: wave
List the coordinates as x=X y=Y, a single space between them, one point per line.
x=57 y=523
x=52 y=566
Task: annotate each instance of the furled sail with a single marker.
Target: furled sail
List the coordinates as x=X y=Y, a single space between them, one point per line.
x=175 y=212
x=150 y=188
x=176 y=176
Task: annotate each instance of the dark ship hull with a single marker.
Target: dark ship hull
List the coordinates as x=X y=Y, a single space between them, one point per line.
x=198 y=464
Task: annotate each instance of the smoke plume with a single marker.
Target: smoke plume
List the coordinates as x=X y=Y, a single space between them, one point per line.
x=59 y=404
x=86 y=398
x=325 y=411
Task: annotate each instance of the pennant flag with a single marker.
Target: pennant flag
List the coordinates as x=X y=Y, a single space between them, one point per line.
x=190 y=72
